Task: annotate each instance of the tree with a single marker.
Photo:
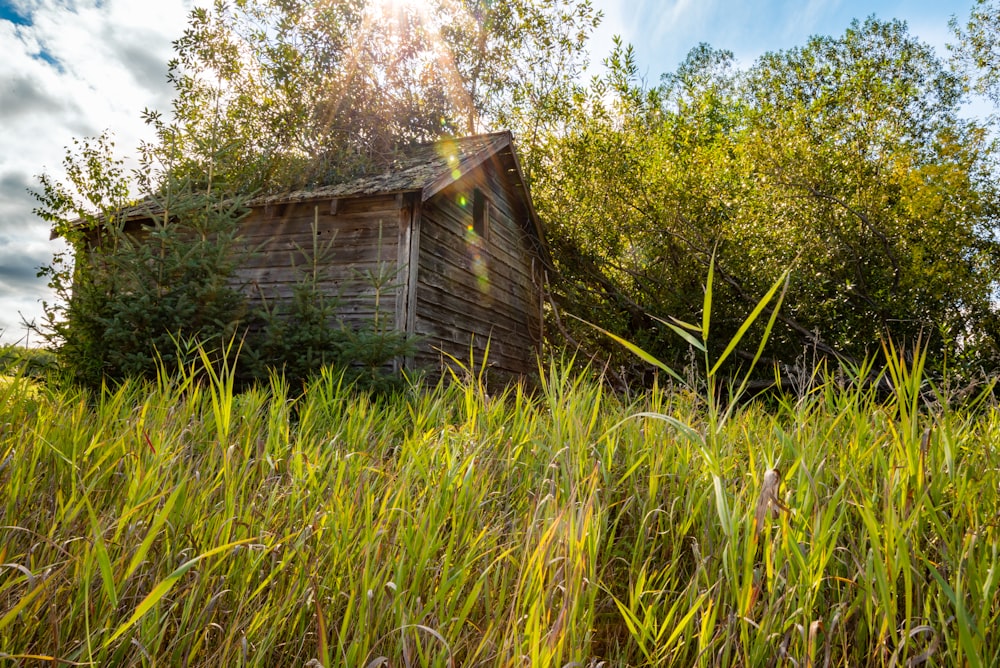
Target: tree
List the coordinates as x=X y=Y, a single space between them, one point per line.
x=859 y=137
x=301 y=92
x=273 y=95
x=844 y=158
x=134 y=295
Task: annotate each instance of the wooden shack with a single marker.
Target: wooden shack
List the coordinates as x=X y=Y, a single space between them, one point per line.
x=445 y=246
x=449 y=232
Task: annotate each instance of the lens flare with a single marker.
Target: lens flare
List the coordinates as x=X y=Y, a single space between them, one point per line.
x=478 y=264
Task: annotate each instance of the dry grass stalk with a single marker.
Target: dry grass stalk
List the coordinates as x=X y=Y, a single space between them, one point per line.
x=768 y=499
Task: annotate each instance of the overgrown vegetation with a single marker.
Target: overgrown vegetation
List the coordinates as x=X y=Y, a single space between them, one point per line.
x=847 y=158
x=300 y=335
x=305 y=93
x=134 y=297
x=180 y=523
x=175 y=520
x=33 y=362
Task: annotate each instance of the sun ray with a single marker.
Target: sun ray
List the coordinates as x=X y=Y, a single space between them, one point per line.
x=429 y=18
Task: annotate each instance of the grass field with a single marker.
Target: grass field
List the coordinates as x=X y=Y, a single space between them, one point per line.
x=182 y=524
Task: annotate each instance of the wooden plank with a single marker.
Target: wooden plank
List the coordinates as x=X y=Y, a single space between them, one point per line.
x=450 y=223
x=470 y=165
x=456 y=328
x=466 y=274
x=368 y=204
x=436 y=289
x=459 y=344
x=433 y=357
x=457 y=251
x=488 y=291
x=413 y=262
x=345 y=205
x=512 y=233
x=337 y=259
x=520 y=213
x=325 y=238
x=354 y=277
x=402 y=265
x=341 y=228
x=359 y=292
x=452 y=313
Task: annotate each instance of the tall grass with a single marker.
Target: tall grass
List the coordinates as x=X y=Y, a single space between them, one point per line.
x=180 y=523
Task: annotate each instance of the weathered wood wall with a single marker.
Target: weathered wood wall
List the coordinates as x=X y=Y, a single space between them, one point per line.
x=439 y=280
x=355 y=239
x=474 y=290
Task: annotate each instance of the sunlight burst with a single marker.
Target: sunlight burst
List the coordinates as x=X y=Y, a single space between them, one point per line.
x=396 y=7
x=419 y=23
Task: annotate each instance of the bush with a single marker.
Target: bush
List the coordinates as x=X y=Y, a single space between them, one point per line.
x=140 y=297
x=33 y=362
x=135 y=292
x=304 y=335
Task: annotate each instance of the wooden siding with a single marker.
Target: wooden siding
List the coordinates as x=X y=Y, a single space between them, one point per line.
x=413 y=226
x=471 y=290
x=356 y=237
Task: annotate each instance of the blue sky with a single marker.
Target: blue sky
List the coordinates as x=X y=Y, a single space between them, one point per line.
x=8 y=12
x=72 y=68
x=663 y=31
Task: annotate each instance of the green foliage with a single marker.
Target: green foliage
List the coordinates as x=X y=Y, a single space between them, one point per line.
x=299 y=338
x=271 y=95
x=844 y=160
x=135 y=291
x=977 y=53
x=32 y=362
x=298 y=93
x=180 y=522
x=140 y=295
x=303 y=334
x=172 y=283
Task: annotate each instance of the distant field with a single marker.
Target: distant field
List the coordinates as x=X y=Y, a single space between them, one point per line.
x=177 y=524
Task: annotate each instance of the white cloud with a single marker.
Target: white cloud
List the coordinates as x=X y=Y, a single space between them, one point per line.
x=76 y=68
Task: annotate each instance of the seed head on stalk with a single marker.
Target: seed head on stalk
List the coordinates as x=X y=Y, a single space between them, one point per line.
x=768 y=499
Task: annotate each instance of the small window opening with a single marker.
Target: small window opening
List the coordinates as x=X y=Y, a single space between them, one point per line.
x=480 y=214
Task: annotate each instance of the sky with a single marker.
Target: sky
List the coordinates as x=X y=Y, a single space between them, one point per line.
x=73 y=68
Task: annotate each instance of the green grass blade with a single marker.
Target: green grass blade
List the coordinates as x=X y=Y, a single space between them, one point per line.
x=722 y=507
x=154 y=530
x=706 y=312
x=964 y=621
x=165 y=585
x=13 y=613
x=690 y=433
x=761 y=305
x=687 y=336
x=636 y=350
x=682 y=625
x=101 y=554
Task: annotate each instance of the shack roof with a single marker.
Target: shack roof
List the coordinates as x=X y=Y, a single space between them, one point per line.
x=426 y=168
